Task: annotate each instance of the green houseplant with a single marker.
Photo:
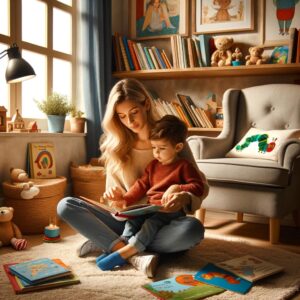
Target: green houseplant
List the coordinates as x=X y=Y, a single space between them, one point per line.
x=56 y=107
x=77 y=121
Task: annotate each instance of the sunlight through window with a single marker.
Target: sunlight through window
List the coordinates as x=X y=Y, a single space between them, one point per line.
x=4 y=87
x=4 y=17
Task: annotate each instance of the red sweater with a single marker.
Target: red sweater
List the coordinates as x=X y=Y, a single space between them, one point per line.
x=158 y=177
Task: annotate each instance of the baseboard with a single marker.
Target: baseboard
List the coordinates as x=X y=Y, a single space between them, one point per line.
x=287 y=220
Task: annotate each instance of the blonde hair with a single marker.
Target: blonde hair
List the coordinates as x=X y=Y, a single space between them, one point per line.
x=117 y=140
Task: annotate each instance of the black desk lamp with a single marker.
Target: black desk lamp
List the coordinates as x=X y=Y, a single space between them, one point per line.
x=18 y=69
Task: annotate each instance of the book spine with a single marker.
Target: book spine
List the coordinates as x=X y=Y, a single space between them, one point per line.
x=133 y=55
x=154 y=59
x=298 y=49
x=190 y=53
x=120 y=64
x=128 y=53
x=160 y=59
x=166 y=59
x=186 y=110
x=123 y=52
x=149 y=60
x=141 y=50
x=138 y=55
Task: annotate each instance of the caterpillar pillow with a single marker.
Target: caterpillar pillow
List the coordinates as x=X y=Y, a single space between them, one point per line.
x=263 y=144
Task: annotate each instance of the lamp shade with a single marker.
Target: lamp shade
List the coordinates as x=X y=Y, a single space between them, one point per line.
x=18 y=69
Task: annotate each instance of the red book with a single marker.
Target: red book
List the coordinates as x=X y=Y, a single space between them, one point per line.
x=133 y=55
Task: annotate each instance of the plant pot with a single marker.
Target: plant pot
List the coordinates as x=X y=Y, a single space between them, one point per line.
x=56 y=123
x=77 y=125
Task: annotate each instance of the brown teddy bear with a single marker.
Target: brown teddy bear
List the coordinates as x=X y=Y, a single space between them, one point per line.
x=255 y=57
x=10 y=234
x=223 y=55
x=20 y=179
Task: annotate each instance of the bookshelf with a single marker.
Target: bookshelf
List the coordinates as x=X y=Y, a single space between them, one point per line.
x=253 y=70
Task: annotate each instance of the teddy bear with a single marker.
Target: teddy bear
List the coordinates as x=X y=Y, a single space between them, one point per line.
x=255 y=56
x=20 y=179
x=10 y=234
x=222 y=56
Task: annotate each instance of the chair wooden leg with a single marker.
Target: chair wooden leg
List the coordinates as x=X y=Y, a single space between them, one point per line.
x=239 y=217
x=296 y=217
x=274 y=225
x=200 y=214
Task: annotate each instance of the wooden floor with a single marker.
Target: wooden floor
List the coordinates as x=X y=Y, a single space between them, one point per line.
x=255 y=233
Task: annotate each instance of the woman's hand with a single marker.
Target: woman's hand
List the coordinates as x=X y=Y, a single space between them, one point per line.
x=175 y=188
x=115 y=197
x=176 y=201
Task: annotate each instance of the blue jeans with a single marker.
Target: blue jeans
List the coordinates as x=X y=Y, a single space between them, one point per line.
x=141 y=231
x=104 y=230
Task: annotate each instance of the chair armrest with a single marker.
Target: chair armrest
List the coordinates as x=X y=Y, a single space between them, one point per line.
x=288 y=152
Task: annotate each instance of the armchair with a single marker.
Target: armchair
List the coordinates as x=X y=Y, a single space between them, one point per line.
x=269 y=188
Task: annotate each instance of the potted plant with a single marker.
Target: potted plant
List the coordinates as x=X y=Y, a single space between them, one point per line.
x=77 y=122
x=56 y=107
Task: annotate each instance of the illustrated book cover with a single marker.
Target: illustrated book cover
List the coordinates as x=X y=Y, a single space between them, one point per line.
x=21 y=287
x=181 y=287
x=216 y=276
x=250 y=267
x=130 y=211
x=41 y=160
x=39 y=270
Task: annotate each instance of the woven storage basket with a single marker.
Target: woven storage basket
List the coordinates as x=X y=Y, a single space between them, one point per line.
x=88 y=181
x=32 y=215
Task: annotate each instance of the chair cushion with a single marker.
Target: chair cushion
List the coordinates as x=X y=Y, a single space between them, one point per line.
x=263 y=144
x=245 y=170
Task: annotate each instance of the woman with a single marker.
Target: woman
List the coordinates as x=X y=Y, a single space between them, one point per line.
x=126 y=150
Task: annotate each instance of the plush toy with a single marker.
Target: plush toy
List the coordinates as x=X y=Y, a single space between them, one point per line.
x=20 y=179
x=10 y=234
x=237 y=57
x=222 y=56
x=255 y=57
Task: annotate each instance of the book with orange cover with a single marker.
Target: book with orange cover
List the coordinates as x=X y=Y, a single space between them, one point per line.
x=133 y=55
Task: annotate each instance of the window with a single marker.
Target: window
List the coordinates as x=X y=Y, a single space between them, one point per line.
x=45 y=32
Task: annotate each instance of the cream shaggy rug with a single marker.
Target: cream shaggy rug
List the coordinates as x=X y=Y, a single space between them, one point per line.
x=126 y=283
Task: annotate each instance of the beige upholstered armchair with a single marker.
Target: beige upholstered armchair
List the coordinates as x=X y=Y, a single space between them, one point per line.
x=258 y=186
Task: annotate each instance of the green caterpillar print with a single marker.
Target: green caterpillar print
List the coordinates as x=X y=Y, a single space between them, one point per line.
x=262 y=140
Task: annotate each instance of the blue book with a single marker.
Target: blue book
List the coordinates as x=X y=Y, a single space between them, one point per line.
x=181 y=287
x=131 y=65
x=39 y=270
x=204 y=48
x=211 y=274
x=149 y=60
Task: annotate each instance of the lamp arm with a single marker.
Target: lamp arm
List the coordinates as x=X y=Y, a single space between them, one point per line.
x=4 y=53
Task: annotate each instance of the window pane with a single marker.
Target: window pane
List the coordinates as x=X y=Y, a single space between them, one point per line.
x=62 y=31
x=67 y=2
x=4 y=17
x=34 y=18
x=62 y=77
x=34 y=88
x=4 y=87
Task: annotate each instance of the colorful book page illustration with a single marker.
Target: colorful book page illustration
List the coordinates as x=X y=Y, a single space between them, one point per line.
x=42 y=160
x=211 y=274
x=181 y=287
x=250 y=267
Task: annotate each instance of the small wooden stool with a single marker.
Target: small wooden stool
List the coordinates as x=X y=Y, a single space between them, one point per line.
x=32 y=215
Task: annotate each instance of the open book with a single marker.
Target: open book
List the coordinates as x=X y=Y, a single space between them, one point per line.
x=130 y=211
x=250 y=267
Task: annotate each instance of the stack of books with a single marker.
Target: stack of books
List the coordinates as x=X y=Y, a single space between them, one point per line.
x=237 y=275
x=39 y=274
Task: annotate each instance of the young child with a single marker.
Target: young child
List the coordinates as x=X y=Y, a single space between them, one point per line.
x=167 y=169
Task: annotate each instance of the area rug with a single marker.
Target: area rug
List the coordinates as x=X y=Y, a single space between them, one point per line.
x=126 y=282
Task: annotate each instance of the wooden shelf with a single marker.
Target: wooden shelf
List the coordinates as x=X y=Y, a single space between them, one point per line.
x=268 y=69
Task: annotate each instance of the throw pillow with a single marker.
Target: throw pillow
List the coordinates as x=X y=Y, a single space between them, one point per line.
x=264 y=144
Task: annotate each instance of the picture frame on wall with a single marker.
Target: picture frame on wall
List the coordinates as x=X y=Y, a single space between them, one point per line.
x=155 y=19
x=212 y=16
x=277 y=21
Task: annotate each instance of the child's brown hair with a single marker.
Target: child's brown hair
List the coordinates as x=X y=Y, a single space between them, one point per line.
x=170 y=128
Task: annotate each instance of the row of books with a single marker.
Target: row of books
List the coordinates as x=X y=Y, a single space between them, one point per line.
x=130 y=55
x=191 y=52
x=39 y=274
x=185 y=109
x=294 y=46
x=237 y=275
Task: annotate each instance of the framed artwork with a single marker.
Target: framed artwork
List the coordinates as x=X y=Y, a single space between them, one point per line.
x=278 y=17
x=154 y=19
x=213 y=16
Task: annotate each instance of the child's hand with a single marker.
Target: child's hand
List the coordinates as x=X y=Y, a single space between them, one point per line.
x=175 y=188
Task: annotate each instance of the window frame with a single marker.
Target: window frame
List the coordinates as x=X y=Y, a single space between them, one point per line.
x=15 y=32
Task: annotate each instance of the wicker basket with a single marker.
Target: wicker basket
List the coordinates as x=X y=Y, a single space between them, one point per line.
x=32 y=215
x=88 y=181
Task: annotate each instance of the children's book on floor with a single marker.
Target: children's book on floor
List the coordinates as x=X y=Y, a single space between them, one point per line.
x=39 y=270
x=21 y=286
x=130 y=211
x=250 y=267
x=216 y=276
x=181 y=287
